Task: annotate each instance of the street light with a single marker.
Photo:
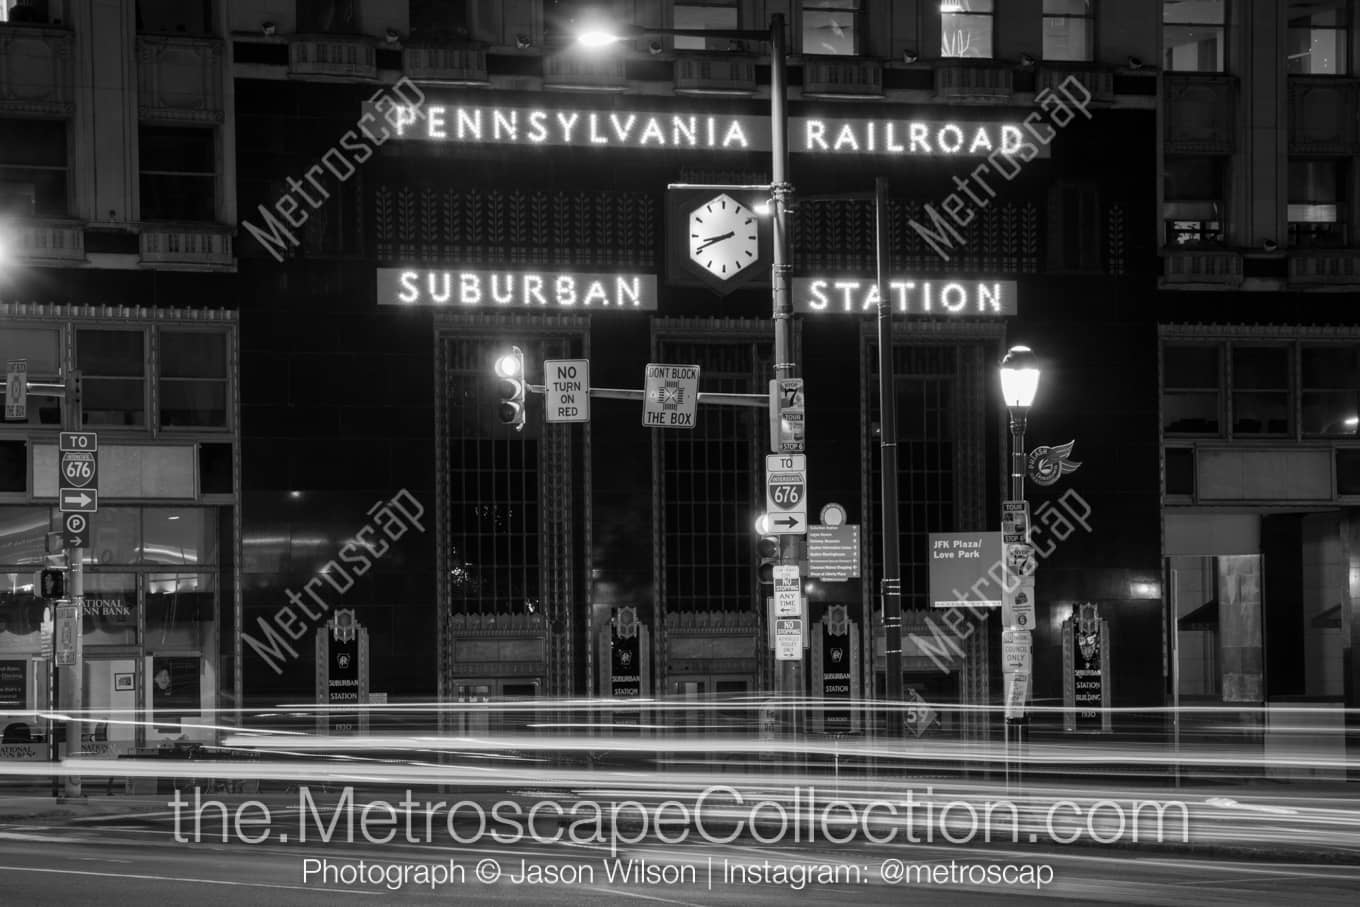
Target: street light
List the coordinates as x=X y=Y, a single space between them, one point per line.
x=596 y=35
x=1019 y=383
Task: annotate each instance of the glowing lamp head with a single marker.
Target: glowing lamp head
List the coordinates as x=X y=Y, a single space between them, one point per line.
x=1351 y=421
x=510 y=365
x=1019 y=377
x=600 y=33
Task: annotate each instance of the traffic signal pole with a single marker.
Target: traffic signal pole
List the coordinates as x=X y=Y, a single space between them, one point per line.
x=72 y=677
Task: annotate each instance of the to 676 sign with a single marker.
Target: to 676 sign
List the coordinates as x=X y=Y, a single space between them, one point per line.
x=786 y=493
x=78 y=469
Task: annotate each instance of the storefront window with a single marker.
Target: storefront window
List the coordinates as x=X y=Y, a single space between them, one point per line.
x=180 y=610
x=705 y=14
x=33 y=167
x=829 y=26
x=23 y=535
x=115 y=536
x=1194 y=35
x=1319 y=37
x=179 y=535
x=1260 y=383
x=1068 y=29
x=1330 y=375
x=110 y=610
x=42 y=348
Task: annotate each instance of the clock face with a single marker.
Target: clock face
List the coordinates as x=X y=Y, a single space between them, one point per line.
x=724 y=237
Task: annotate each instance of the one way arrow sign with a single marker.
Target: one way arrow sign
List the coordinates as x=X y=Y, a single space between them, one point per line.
x=79 y=500
x=790 y=523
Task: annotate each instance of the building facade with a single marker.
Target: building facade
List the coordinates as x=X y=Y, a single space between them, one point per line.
x=381 y=198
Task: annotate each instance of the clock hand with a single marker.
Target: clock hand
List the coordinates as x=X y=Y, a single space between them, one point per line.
x=714 y=239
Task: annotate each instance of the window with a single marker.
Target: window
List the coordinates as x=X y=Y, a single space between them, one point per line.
x=174 y=17
x=705 y=14
x=320 y=17
x=35 y=11
x=1330 y=375
x=440 y=20
x=1192 y=385
x=966 y=28
x=1069 y=29
x=830 y=26
x=179 y=173
x=1260 y=384
x=1192 y=200
x=562 y=19
x=1317 y=209
x=1319 y=38
x=1075 y=227
x=1194 y=35
x=42 y=348
x=113 y=375
x=33 y=168
x=193 y=379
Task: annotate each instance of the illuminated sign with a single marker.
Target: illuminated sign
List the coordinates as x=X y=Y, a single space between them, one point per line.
x=485 y=125
x=486 y=289
x=907 y=296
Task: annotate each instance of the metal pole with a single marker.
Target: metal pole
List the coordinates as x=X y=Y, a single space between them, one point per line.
x=891 y=589
x=1018 y=465
x=785 y=365
x=72 y=677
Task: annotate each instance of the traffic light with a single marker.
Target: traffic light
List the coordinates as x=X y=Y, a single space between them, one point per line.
x=510 y=372
x=768 y=549
x=51 y=583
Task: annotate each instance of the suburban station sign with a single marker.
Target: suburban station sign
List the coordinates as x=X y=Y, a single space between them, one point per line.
x=906 y=295
x=482 y=289
x=480 y=124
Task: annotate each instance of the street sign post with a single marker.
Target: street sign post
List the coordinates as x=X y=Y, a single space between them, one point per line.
x=566 y=390
x=671 y=396
x=786 y=493
x=788 y=592
x=16 y=389
x=75 y=530
x=788 y=639
x=1015 y=522
x=788 y=419
x=77 y=441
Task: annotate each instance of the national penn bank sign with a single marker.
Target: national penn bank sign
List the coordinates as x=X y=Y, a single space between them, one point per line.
x=473 y=124
x=472 y=289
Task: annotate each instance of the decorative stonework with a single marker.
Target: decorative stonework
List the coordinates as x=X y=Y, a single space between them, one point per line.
x=715 y=73
x=1200 y=114
x=987 y=82
x=573 y=70
x=1212 y=267
x=853 y=77
x=1099 y=82
x=449 y=65
x=1322 y=115
x=332 y=55
x=35 y=70
x=187 y=246
x=179 y=79
x=49 y=242
x=1324 y=267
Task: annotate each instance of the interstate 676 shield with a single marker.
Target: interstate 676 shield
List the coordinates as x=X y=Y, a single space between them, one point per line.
x=786 y=493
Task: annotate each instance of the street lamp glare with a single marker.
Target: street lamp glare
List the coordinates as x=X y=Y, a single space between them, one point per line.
x=1019 y=377
x=597 y=37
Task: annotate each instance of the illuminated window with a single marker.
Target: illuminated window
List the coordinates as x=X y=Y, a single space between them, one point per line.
x=113 y=373
x=1317 y=208
x=179 y=173
x=830 y=26
x=1260 y=390
x=705 y=14
x=1192 y=201
x=1330 y=379
x=319 y=17
x=966 y=28
x=1192 y=389
x=33 y=168
x=1069 y=29
x=1319 y=38
x=174 y=17
x=1194 y=35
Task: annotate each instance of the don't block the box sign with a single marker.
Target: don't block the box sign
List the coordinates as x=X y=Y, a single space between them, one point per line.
x=541 y=290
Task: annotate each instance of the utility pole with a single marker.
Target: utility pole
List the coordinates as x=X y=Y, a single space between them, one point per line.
x=891 y=588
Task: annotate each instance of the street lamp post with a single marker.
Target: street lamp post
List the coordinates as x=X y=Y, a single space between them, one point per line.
x=781 y=191
x=1019 y=383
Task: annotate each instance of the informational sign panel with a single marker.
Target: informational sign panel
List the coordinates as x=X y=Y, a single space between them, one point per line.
x=16 y=389
x=67 y=636
x=1086 y=672
x=530 y=291
x=342 y=675
x=13 y=685
x=939 y=297
x=788 y=591
x=965 y=569
x=624 y=662
x=786 y=493
x=836 y=675
x=788 y=639
x=671 y=395
x=75 y=530
x=833 y=552
x=566 y=390
x=1015 y=522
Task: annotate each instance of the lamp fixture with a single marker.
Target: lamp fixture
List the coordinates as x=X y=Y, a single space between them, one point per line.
x=1135 y=63
x=1019 y=377
x=268 y=28
x=1027 y=61
x=523 y=42
x=654 y=47
x=910 y=56
x=392 y=36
